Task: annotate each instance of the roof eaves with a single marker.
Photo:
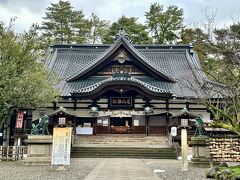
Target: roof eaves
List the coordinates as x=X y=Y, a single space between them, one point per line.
x=62 y=110
x=121 y=79
x=185 y=112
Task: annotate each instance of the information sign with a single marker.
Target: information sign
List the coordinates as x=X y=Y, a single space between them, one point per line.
x=61 y=146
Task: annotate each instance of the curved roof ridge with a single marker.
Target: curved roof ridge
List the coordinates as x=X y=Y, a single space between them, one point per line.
x=121 y=77
x=111 y=49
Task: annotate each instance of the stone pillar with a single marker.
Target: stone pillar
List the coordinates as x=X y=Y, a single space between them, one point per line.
x=200 y=150
x=184 y=149
x=39 y=150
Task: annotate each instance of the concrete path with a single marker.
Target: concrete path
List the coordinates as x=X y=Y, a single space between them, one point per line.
x=121 y=169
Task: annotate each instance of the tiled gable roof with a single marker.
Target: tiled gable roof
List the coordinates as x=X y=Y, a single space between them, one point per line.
x=176 y=63
x=91 y=61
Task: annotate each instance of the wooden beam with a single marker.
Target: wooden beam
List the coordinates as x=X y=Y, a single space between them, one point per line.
x=74 y=104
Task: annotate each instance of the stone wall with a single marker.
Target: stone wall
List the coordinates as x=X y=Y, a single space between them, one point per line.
x=225 y=148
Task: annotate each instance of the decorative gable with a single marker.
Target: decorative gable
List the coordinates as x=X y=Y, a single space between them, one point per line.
x=119 y=51
x=121 y=63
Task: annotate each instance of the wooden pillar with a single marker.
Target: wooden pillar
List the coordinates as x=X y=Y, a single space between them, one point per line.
x=187 y=106
x=94 y=126
x=167 y=117
x=24 y=127
x=54 y=105
x=74 y=104
x=74 y=125
x=132 y=128
x=109 y=127
x=147 y=125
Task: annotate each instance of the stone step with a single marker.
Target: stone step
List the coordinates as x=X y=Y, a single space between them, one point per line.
x=122 y=144
x=121 y=141
x=125 y=138
x=127 y=152
x=99 y=138
x=79 y=141
x=127 y=142
x=116 y=143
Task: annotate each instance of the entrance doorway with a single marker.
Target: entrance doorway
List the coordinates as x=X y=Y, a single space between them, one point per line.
x=120 y=125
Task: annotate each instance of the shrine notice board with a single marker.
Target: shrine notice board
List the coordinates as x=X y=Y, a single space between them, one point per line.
x=61 y=146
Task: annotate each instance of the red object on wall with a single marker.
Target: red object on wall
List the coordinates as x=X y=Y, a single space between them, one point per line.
x=19 y=121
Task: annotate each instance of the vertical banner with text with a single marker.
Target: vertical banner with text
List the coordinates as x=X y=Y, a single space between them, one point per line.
x=19 y=120
x=61 y=146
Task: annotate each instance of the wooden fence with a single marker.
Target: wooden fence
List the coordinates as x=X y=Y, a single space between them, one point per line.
x=12 y=153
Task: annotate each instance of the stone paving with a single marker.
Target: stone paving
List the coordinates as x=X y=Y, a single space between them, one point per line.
x=104 y=169
x=122 y=169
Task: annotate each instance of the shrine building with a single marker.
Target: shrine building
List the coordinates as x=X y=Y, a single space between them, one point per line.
x=125 y=88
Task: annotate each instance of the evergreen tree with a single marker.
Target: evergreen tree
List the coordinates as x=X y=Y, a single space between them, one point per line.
x=80 y=27
x=198 y=39
x=62 y=24
x=57 y=22
x=24 y=82
x=164 y=26
x=136 y=31
x=98 y=29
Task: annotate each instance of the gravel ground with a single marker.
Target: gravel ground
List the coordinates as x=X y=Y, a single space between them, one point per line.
x=80 y=168
x=171 y=170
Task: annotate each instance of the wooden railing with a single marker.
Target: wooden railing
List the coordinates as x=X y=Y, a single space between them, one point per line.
x=12 y=153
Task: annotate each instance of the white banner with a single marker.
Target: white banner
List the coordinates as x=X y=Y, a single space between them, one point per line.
x=61 y=146
x=82 y=130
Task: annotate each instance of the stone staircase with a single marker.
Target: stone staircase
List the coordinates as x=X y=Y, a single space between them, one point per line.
x=121 y=141
x=132 y=146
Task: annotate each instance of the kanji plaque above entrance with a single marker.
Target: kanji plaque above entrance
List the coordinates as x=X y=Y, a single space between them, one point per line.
x=121 y=102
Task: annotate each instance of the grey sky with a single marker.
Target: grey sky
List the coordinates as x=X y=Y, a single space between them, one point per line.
x=32 y=11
